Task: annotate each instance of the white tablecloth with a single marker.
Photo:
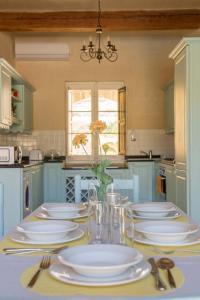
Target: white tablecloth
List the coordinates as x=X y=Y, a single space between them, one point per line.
x=11 y=268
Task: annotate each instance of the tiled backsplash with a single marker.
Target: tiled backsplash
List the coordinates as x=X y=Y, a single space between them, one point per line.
x=150 y=139
x=145 y=140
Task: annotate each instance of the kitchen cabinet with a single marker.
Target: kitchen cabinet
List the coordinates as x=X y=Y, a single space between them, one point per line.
x=187 y=124
x=11 y=197
x=169 y=107
x=181 y=195
x=5 y=98
x=20 y=192
x=146 y=173
x=22 y=109
x=54 y=183
x=16 y=97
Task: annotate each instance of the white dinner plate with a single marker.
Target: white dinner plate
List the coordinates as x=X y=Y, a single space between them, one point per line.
x=190 y=240
x=171 y=215
x=166 y=231
x=48 y=230
x=63 y=210
x=69 y=275
x=153 y=209
x=100 y=260
x=21 y=238
x=43 y=215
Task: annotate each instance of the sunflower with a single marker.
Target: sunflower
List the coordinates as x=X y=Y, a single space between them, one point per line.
x=97 y=126
x=79 y=139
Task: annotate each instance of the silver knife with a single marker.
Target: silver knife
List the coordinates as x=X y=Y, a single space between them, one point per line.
x=160 y=285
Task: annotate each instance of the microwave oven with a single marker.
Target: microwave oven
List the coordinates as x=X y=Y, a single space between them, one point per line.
x=10 y=155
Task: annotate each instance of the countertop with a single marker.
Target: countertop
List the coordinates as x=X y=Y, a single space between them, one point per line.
x=132 y=158
x=29 y=163
x=72 y=166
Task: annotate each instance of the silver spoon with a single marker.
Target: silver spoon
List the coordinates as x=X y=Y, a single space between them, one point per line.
x=167 y=264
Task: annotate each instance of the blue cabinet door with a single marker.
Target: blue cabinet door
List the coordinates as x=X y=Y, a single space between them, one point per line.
x=11 y=195
x=145 y=171
x=54 y=183
x=181 y=191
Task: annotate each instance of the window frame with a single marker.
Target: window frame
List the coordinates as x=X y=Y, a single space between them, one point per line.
x=94 y=87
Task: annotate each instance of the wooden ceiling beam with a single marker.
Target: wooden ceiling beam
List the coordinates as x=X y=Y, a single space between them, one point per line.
x=80 y=21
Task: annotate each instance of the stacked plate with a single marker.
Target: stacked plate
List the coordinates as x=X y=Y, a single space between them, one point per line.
x=48 y=232
x=155 y=210
x=62 y=211
x=166 y=233
x=100 y=265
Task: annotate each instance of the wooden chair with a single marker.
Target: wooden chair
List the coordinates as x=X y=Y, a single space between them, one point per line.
x=127 y=187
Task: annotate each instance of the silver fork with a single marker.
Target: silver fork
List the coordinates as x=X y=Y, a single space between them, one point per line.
x=45 y=263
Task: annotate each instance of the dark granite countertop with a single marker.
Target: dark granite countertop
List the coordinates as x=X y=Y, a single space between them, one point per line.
x=132 y=158
x=56 y=159
x=23 y=164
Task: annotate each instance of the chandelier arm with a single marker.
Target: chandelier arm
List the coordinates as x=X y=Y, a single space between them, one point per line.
x=85 y=57
x=92 y=52
x=111 y=56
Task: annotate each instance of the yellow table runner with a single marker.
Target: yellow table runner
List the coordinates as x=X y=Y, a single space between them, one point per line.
x=145 y=249
x=48 y=286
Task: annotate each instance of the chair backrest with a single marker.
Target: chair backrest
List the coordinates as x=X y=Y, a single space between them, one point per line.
x=127 y=187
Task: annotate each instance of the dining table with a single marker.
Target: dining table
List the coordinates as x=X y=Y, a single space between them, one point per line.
x=13 y=270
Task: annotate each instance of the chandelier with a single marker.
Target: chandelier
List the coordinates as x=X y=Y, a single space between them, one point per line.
x=92 y=51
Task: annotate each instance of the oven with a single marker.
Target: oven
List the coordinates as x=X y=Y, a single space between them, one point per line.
x=161 y=183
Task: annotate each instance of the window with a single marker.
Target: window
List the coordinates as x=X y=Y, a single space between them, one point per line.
x=89 y=101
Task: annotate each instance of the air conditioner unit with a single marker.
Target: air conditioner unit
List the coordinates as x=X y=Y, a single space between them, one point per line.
x=41 y=48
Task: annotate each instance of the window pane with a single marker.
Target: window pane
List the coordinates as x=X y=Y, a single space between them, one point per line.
x=79 y=151
x=108 y=100
x=79 y=100
x=79 y=122
x=112 y=140
x=111 y=120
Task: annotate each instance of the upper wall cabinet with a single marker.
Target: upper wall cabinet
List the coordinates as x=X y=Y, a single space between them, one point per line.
x=16 y=100
x=5 y=98
x=169 y=107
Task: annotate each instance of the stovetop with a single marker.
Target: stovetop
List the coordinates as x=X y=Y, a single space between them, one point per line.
x=168 y=160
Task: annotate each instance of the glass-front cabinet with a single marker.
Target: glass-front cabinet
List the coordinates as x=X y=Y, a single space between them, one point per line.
x=16 y=97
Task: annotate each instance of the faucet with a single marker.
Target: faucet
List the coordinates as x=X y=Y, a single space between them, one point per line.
x=149 y=154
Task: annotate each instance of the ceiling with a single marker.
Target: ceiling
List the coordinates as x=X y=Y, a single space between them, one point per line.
x=86 y=5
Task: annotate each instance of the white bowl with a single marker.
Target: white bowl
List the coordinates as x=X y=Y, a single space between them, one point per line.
x=63 y=210
x=153 y=209
x=165 y=231
x=47 y=230
x=100 y=260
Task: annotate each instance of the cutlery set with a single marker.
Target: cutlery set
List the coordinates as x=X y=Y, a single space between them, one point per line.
x=165 y=264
